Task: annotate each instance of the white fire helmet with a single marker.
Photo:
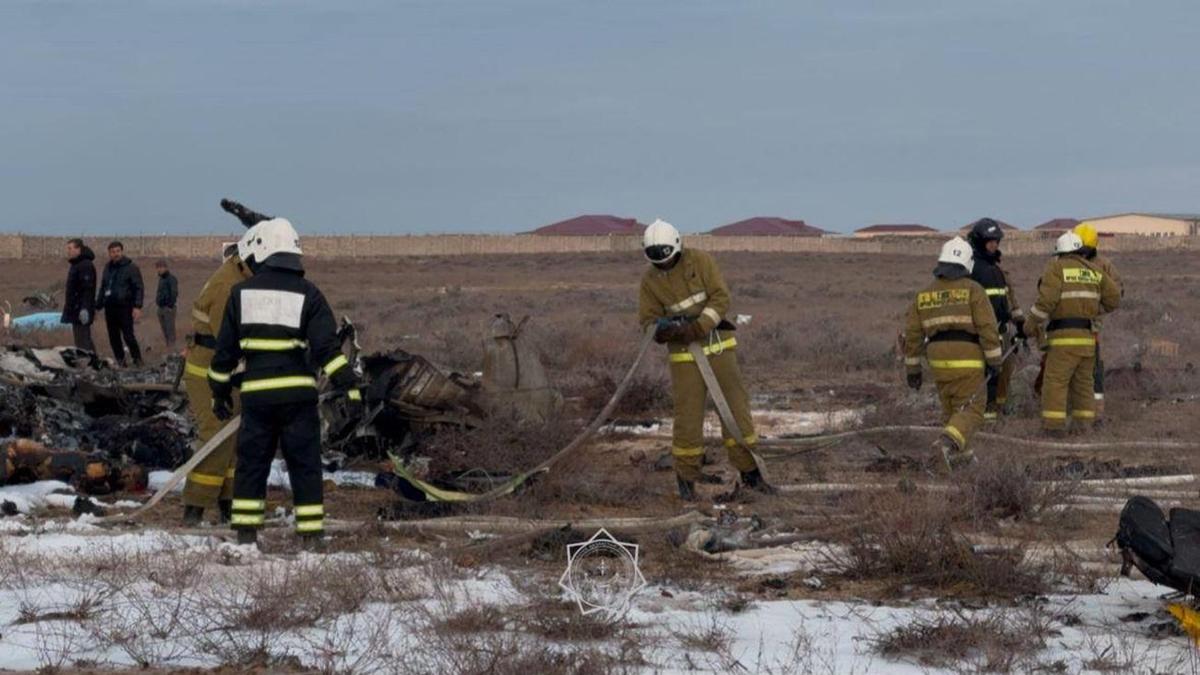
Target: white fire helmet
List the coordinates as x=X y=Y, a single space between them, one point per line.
x=958 y=252
x=661 y=242
x=274 y=236
x=245 y=248
x=1069 y=242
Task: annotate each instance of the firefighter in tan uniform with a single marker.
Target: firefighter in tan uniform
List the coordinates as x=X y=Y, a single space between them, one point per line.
x=952 y=324
x=1091 y=250
x=1072 y=292
x=683 y=292
x=211 y=482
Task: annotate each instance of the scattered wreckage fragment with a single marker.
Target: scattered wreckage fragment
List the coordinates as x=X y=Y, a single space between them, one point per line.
x=411 y=398
x=65 y=415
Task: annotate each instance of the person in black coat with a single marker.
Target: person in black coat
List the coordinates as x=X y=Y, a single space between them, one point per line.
x=79 y=303
x=121 y=293
x=985 y=237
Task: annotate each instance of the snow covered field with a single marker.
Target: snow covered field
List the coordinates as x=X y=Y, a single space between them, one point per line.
x=74 y=594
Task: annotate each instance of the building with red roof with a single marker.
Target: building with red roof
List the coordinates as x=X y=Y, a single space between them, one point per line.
x=896 y=230
x=767 y=226
x=1057 y=225
x=595 y=225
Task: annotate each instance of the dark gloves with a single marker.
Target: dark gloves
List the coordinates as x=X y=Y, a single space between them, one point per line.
x=679 y=331
x=1032 y=329
x=990 y=372
x=915 y=380
x=222 y=405
x=669 y=330
x=1020 y=334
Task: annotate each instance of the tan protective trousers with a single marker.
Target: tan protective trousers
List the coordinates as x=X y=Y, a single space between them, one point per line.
x=963 y=393
x=212 y=479
x=1068 y=386
x=690 y=394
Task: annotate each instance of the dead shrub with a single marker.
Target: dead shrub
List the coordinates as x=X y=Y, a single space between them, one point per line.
x=360 y=643
x=648 y=395
x=245 y=616
x=823 y=347
x=562 y=622
x=572 y=482
x=1000 y=641
x=474 y=619
x=709 y=632
x=913 y=541
x=1003 y=487
x=502 y=445
x=505 y=654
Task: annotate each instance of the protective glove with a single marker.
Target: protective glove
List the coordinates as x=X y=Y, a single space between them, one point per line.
x=1020 y=334
x=669 y=332
x=84 y=316
x=915 y=380
x=222 y=405
x=1032 y=329
x=990 y=372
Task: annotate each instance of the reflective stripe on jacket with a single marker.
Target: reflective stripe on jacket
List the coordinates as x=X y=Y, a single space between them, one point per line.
x=693 y=288
x=954 y=307
x=276 y=320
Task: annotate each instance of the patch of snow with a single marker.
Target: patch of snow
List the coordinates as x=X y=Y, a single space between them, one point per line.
x=32 y=496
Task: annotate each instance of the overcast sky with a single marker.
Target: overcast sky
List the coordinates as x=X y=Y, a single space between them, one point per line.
x=500 y=116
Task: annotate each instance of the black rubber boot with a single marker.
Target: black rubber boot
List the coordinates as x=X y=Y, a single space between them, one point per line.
x=226 y=508
x=193 y=515
x=247 y=536
x=687 y=489
x=754 y=480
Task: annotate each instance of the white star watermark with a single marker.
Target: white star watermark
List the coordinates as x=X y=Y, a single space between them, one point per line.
x=602 y=574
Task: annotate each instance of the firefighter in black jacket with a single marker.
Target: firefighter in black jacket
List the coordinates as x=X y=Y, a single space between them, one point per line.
x=274 y=321
x=985 y=236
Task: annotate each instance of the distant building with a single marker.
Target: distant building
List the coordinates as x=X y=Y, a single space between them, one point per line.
x=1057 y=226
x=599 y=225
x=1006 y=227
x=1148 y=224
x=899 y=230
x=764 y=226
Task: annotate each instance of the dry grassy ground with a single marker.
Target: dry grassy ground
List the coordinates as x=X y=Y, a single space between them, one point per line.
x=822 y=338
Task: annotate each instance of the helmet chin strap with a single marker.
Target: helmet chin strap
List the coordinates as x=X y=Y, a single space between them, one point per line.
x=669 y=263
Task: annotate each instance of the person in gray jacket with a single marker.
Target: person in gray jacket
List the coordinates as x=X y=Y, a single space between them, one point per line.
x=165 y=299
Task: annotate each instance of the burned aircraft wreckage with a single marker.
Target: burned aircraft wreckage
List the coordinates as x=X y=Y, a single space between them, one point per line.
x=66 y=414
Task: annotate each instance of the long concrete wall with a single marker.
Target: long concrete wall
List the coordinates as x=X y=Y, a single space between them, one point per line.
x=17 y=246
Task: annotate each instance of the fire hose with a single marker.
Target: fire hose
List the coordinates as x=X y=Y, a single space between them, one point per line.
x=434 y=493
x=179 y=474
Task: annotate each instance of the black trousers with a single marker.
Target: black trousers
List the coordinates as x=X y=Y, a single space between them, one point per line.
x=296 y=429
x=82 y=333
x=118 y=319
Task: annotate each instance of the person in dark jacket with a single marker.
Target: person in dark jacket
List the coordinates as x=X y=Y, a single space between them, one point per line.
x=121 y=293
x=985 y=237
x=165 y=299
x=79 y=303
